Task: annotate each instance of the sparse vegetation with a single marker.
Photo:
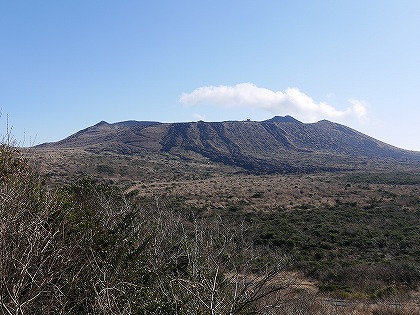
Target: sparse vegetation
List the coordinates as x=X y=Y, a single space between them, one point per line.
x=166 y=234
x=84 y=248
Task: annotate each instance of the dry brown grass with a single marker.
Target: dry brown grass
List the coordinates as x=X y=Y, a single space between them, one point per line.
x=304 y=303
x=271 y=192
x=66 y=164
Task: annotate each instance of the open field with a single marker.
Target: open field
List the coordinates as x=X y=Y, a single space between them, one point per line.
x=286 y=192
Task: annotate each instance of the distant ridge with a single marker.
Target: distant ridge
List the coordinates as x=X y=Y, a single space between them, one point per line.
x=135 y=123
x=280 y=144
x=127 y=123
x=286 y=118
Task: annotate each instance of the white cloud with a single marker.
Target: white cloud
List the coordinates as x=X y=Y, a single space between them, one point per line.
x=289 y=102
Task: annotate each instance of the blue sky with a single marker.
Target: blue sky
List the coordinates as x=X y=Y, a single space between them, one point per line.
x=66 y=65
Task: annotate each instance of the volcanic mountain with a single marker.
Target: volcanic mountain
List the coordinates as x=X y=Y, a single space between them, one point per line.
x=277 y=145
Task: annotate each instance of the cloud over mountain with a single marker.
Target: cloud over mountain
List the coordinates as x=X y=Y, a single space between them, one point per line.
x=289 y=102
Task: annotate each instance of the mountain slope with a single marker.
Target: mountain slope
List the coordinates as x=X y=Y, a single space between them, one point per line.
x=280 y=144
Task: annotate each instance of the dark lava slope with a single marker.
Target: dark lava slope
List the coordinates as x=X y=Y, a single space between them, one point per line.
x=280 y=144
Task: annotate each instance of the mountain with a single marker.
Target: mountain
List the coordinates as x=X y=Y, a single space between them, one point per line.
x=277 y=145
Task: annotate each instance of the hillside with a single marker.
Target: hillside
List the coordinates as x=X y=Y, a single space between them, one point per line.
x=342 y=205
x=277 y=145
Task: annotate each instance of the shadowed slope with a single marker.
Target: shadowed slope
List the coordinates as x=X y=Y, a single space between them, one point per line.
x=280 y=144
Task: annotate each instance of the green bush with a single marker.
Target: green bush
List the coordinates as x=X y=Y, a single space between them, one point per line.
x=379 y=242
x=105 y=169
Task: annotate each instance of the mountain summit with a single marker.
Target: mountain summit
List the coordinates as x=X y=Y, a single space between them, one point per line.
x=280 y=144
x=286 y=118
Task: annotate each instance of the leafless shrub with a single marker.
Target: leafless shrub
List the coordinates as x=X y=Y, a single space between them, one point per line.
x=212 y=266
x=35 y=256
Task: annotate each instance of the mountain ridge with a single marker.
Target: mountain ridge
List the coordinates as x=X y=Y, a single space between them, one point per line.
x=280 y=144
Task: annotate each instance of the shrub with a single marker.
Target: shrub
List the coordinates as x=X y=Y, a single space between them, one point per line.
x=85 y=249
